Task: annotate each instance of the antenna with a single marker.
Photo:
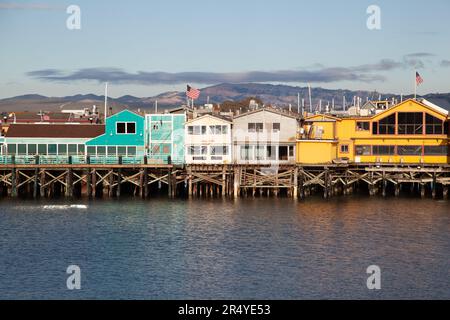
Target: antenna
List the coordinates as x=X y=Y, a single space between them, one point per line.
x=156 y=106
x=106 y=100
x=344 y=103
x=298 y=102
x=310 y=99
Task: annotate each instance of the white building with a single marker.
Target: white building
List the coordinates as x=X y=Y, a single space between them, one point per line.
x=208 y=141
x=264 y=136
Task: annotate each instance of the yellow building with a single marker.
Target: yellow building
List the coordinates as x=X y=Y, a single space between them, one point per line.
x=410 y=132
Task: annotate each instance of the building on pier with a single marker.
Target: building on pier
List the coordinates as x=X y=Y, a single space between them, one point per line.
x=208 y=140
x=414 y=131
x=123 y=137
x=85 y=116
x=55 y=142
x=265 y=137
x=164 y=138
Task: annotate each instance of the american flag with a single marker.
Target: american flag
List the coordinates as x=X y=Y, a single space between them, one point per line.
x=192 y=93
x=419 y=79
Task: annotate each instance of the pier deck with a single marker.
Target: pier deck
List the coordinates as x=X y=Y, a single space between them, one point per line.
x=294 y=181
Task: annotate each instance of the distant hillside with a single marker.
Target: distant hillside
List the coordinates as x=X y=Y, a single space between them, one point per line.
x=279 y=95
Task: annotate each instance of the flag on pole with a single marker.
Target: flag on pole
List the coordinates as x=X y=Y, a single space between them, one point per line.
x=192 y=93
x=419 y=79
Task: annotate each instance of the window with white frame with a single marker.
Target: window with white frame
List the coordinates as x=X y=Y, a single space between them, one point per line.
x=247 y=152
x=255 y=127
x=218 y=130
x=197 y=150
x=276 y=127
x=219 y=150
x=126 y=127
x=196 y=130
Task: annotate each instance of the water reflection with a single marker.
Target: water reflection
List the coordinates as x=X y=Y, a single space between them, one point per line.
x=231 y=249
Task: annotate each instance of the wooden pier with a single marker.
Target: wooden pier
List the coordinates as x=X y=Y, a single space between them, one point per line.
x=199 y=181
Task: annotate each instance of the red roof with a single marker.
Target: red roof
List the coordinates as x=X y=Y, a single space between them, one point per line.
x=55 y=131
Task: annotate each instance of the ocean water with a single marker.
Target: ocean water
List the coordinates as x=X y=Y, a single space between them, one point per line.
x=225 y=249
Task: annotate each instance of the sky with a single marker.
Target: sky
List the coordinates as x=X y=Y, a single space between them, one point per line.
x=144 y=48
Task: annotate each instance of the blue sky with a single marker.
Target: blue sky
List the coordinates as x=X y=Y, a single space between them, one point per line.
x=146 y=47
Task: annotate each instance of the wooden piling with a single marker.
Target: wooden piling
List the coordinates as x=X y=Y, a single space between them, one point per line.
x=237 y=179
x=69 y=183
x=94 y=183
x=295 y=187
x=224 y=180
x=169 y=183
x=88 y=183
x=433 y=186
x=42 y=183
x=422 y=190
x=119 y=183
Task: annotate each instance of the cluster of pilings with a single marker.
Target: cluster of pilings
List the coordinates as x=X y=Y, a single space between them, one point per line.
x=292 y=181
x=242 y=180
x=88 y=180
x=376 y=180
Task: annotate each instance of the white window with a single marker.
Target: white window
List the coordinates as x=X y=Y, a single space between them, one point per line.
x=196 y=130
x=276 y=127
x=218 y=130
x=126 y=127
x=255 y=127
x=247 y=152
x=260 y=152
x=219 y=150
x=197 y=150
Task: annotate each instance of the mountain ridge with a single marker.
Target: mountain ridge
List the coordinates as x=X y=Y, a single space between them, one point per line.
x=279 y=95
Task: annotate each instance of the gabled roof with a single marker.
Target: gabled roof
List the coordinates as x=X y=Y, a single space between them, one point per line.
x=434 y=106
x=81 y=131
x=224 y=119
x=321 y=117
x=267 y=110
x=369 y=105
x=428 y=105
x=125 y=111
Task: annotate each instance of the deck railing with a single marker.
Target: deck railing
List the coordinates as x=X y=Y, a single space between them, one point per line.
x=97 y=160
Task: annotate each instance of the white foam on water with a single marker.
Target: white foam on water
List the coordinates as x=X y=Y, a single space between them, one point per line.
x=66 y=207
x=79 y=206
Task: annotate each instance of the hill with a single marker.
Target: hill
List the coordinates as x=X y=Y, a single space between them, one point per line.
x=279 y=95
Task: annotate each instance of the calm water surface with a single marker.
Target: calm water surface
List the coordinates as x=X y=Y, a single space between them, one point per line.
x=225 y=249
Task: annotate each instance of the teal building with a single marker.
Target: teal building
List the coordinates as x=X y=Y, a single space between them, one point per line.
x=124 y=137
x=164 y=138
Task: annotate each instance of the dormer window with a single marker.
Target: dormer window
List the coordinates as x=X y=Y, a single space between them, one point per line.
x=126 y=127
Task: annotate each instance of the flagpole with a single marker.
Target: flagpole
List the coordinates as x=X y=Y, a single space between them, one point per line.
x=415 y=84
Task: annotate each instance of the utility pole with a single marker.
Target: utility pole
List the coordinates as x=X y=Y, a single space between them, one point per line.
x=106 y=101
